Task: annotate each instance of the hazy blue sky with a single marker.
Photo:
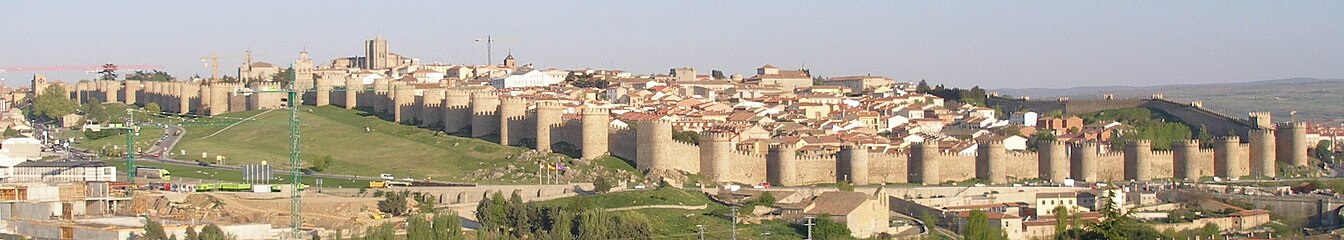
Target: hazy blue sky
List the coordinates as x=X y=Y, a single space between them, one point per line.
x=993 y=44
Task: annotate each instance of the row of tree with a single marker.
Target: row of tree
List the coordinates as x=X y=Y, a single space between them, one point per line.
x=974 y=96
x=514 y=219
x=154 y=231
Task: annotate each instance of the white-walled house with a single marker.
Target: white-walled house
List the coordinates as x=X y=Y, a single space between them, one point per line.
x=526 y=78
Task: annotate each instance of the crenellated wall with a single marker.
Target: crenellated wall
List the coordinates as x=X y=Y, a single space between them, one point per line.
x=649 y=144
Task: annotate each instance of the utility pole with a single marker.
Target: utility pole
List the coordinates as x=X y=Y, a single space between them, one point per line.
x=130 y=145
x=734 y=213
x=809 y=228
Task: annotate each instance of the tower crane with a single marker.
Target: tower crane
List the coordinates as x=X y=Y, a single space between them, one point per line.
x=212 y=61
x=105 y=68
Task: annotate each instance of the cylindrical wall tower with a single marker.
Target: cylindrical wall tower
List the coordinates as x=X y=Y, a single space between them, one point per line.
x=1139 y=160
x=714 y=155
x=652 y=140
x=1185 y=156
x=1227 y=157
x=352 y=89
x=852 y=164
x=429 y=112
x=596 y=121
x=403 y=101
x=1292 y=143
x=782 y=165
x=1084 y=161
x=990 y=158
x=381 y=100
x=129 y=91
x=1262 y=153
x=923 y=163
x=219 y=98
x=484 y=119
x=323 y=95
x=511 y=110
x=1054 y=160
x=456 y=112
x=548 y=115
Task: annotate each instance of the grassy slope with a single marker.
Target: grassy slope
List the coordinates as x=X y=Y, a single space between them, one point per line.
x=679 y=223
x=215 y=175
x=339 y=133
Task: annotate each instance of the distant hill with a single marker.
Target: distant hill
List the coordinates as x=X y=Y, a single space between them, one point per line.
x=1314 y=99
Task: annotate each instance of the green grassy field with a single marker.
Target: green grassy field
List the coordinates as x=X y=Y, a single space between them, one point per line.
x=681 y=223
x=360 y=144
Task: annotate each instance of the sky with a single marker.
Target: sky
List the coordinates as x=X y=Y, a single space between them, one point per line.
x=999 y=44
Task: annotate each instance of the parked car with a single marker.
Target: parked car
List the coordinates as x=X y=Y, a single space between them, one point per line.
x=386 y=176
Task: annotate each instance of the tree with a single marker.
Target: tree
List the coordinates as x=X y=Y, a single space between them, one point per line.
x=151 y=75
x=191 y=234
x=154 y=231
x=153 y=108
x=213 y=232
x=109 y=72
x=53 y=103
x=922 y=87
x=95 y=110
x=717 y=74
x=425 y=204
x=818 y=80
x=766 y=199
x=978 y=227
x=417 y=228
x=601 y=184
x=691 y=137
x=1061 y=223
x=284 y=76
x=321 y=163
x=1322 y=151
x=447 y=226
x=393 y=203
x=10 y=132
x=844 y=186
x=826 y=228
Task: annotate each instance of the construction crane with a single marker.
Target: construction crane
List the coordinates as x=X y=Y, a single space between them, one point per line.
x=78 y=68
x=212 y=61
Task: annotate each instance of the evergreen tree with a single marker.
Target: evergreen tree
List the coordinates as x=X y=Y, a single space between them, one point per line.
x=191 y=234
x=717 y=74
x=922 y=87
x=1061 y=220
x=978 y=227
x=213 y=232
x=562 y=224
x=154 y=231
x=417 y=228
x=447 y=226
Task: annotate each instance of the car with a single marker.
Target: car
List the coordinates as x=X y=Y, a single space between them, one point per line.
x=156 y=155
x=386 y=176
x=203 y=164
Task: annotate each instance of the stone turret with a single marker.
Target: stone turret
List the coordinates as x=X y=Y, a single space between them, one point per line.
x=782 y=165
x=652 y=139
x=456 y=111
x=403 y=99
x=1292 y=143
x=1084 y=161
x=923 y=163
x=548 y=116
x=430 y=112
x=352 y=89
x=852 y=165
x=129 y=91
x=1262 y=152
x=510 y=111
x=322 y=97
x=714 y=155
x=1262 y=120
x=1054 y=160
x=219 y=98
x=990 y=158
x=1138 y=160
x=596 y=122
x=1185 y=156
x=381 y=101
x=185 y=92
x=1226 y=158
x=484 y=120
